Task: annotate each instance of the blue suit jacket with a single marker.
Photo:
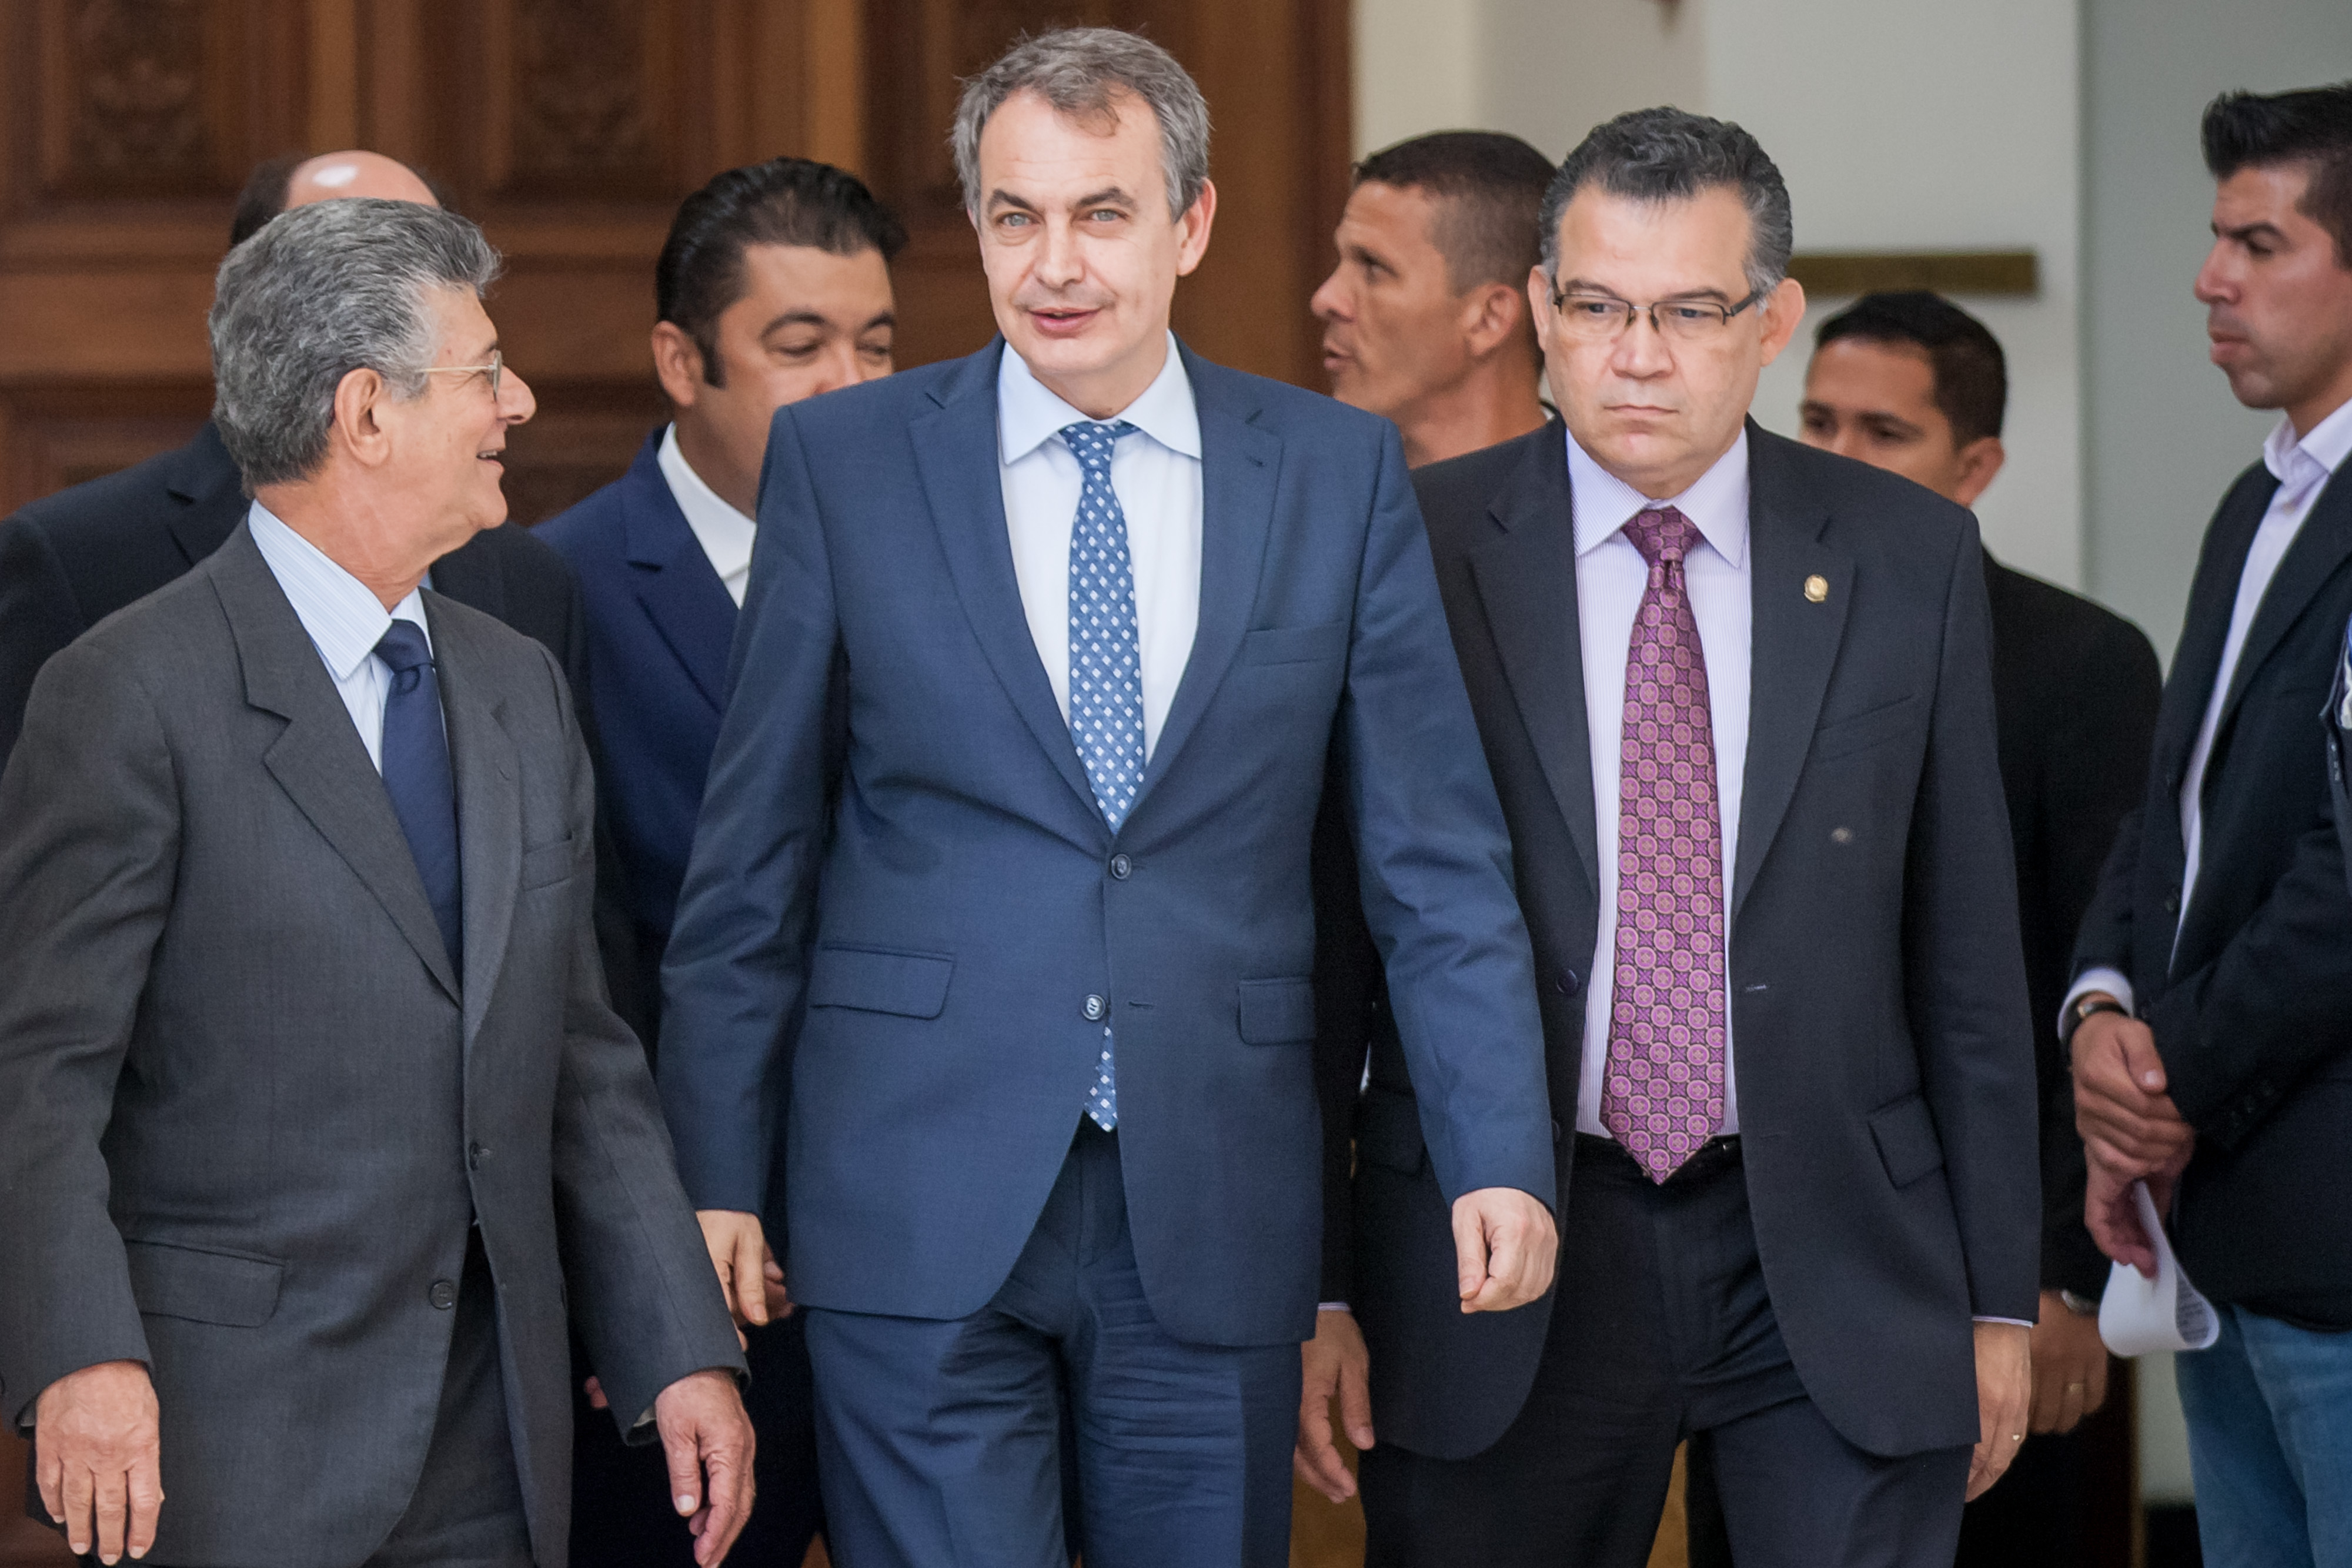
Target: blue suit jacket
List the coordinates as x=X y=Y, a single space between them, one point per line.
x=659 y=622
x=898 y=832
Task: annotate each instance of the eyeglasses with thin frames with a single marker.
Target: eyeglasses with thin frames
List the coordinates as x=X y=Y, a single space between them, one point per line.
x=496 y=370
x=1601 y=318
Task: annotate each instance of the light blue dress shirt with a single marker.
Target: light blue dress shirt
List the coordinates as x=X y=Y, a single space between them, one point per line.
x=343 y=617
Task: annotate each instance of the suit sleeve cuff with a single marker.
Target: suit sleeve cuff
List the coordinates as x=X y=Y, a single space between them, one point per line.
x=2095 y=979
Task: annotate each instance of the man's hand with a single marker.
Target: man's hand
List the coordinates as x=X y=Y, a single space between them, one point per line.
x=2113 y=1219
x=2126 y=1120
x=1337 y=1366
x=703 y=1428
x=748 y=1273
x=2004 y=1388
x=1504 y=1248
x=101 y=1469
x=2070 y=1366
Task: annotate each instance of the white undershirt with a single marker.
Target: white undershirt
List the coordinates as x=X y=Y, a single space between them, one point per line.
x=1610 y=578
x=1155 y=473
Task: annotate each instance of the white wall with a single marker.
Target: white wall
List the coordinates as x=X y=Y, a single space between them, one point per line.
x=1899 y=125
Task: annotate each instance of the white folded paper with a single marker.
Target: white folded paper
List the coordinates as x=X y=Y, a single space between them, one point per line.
x=2138 y=1314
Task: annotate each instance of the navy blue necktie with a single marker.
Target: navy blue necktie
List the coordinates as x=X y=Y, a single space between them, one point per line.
x=416 y=776
x=1105 y=669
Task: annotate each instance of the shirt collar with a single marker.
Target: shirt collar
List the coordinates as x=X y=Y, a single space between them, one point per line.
x=725 y=533
x=2328 y=443
x=343 y=614
x=1716 y=504
x=1028 y=414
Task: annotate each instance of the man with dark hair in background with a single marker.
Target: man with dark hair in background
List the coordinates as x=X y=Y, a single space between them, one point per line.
x=1912 y=383
x=69 y=560
x=2210 y=1017
x=1425 y=317
x=774 y=285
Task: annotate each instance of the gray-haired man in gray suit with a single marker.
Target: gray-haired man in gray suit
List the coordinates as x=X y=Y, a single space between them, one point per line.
x=313 y=1113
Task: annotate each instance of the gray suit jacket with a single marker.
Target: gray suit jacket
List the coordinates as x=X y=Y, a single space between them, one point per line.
x=247 y=1111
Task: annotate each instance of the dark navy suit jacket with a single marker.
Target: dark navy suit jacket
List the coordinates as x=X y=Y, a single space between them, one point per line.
x=898 y=831
x=659 y=622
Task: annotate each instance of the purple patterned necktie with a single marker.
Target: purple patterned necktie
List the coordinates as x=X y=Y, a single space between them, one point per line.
x=1664 y=1094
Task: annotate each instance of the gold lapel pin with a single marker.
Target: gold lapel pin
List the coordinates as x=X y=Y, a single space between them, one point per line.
x=1817 y=588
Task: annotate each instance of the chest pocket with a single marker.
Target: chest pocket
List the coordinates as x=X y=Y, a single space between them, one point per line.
x=1296 y=644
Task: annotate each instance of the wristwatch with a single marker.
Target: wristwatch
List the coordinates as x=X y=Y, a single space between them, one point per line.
x=2087 y=1008
x=2080 y=1306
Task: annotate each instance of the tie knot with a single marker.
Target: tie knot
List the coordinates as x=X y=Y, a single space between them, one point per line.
x=1661 y=533
x=403 y=647
x=1090 y=441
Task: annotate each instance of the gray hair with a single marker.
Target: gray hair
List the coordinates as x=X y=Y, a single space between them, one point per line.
x=1077 y=70
x=327 y=289
x=1670 y=154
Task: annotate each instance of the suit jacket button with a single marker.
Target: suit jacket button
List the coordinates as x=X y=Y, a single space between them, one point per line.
x=2172 y=903
x=476 y=1155
x=1565 y=982
x=1096 y=1009
x=1121 y=867
x=443 y=1294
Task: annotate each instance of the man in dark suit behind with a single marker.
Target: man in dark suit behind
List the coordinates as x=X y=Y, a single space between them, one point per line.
x=1004 y=865
x=71 y=560
x=2211 y=1009
x=314 y=1124
x=774 y=285
x=1912 y=383
x=1737 y=701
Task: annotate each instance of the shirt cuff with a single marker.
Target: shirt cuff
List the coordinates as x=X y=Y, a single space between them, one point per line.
x=2020 y=1323
x=1334 y=1307
x=2101 y=979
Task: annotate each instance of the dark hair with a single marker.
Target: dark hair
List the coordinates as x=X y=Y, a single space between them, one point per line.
x=784 y=201
x=264 y=196
x=1487 y=187
x=2313 y=126
x=1670 y=155
x=1972 y=373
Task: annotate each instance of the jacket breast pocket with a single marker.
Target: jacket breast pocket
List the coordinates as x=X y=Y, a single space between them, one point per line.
x=1296 y=644
x=1278 y=1012
x=545 y=864
x=226 y=1288
x=1908 y=1145
x=1859 y=732
x=880 y=980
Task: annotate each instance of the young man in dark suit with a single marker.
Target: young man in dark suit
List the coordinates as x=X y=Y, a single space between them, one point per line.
x=70 y=560
x=1736 y=700
x=774 y=285
x=1912 y=383
x=2211 y=1016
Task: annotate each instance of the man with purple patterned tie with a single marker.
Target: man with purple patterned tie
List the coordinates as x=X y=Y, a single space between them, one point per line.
x=1736 y=698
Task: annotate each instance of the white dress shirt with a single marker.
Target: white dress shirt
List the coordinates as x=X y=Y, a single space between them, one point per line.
x=1610 y=578
x=2303 y=468
x=345 y=618
x=724 y=533
x=1156 y=475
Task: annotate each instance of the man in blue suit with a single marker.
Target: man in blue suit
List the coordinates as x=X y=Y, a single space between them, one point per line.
x=774 y=285
x=1004 y=868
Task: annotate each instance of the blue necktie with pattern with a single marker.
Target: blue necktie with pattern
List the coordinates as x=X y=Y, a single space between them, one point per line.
x=418 y=777
x=1106 y=667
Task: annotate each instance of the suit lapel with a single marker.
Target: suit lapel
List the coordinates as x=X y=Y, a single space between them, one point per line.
x=956 y=455
x=317 y=759
x=1527 y=580
x=211 y=494
x=489 y=804
x=2205 y=626
x=675 y=583
x=1794 y=646
x=2321 y=546
x=1240 y=463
